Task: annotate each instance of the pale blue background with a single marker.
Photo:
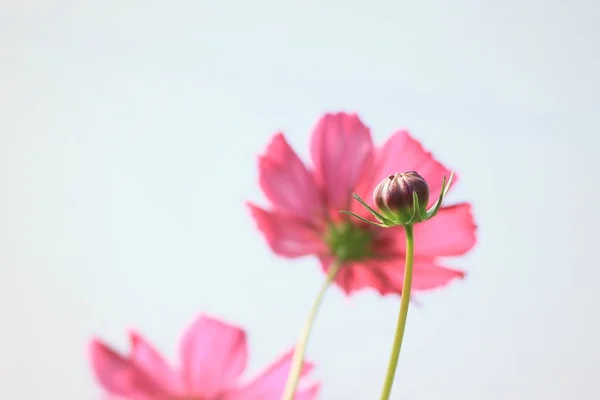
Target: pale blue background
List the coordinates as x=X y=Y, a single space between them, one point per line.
x=128 y=139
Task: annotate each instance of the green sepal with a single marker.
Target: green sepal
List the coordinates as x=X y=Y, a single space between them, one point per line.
x=436 y=207
x=363 y=219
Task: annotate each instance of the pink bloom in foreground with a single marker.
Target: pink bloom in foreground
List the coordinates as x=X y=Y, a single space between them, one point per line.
x=213 y=355
x=304 y=217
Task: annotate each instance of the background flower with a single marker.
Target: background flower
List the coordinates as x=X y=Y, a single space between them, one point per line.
x=304 y=218
x=213 y=356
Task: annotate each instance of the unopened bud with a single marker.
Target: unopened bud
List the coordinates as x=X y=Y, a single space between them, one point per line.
x=394 y=196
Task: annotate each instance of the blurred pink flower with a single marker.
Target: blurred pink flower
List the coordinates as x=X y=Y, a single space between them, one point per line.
x=213 y=355
x=304 y=218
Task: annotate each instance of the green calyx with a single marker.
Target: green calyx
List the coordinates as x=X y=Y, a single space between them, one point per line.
x=349 y=242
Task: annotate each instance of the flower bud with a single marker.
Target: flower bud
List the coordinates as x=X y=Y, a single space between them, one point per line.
x=394 y=196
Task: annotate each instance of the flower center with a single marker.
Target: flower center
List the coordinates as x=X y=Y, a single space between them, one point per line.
x=349 y=242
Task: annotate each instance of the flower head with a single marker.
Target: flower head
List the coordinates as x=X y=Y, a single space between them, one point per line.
x=394 y=195
x=213 y=355
x=304 y=217
x=399 y=198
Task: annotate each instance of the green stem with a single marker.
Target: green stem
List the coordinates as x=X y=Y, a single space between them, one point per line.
x=401 y=324
x=298 y=358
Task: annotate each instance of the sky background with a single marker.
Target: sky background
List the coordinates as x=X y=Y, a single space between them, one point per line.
x=129 y=132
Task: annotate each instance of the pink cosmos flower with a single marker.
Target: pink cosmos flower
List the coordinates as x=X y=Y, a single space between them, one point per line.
x=304 y=218
x=213 y=356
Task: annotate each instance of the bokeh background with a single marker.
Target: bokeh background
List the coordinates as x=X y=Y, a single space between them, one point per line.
x=129 y=132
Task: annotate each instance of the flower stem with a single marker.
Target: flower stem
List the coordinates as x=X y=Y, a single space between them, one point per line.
x=298 y=358
x=400 y=325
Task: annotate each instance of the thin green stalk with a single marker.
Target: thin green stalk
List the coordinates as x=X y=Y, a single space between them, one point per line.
x=298 y=358
x=401 y=324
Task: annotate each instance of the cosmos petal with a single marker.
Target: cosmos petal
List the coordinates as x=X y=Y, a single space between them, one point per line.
x=401 y=153
x=308 y=393
x=427 y=274
x=288 y=236
x=286 y=181
x=450 y=233
x=120 y=376
x=342 y=150
x=152 y=363
x=213 y=356
x=269 y=385
x=354 y=276
x=387 y=276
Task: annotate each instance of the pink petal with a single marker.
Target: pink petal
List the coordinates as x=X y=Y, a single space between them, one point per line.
x=387 y=276
x=213 y=356
x=286 y=182
x=426 y=274
x=120 y=376
x=342 y=151
x=450 y=233
x=288 y=236
x=147 y=359
x=308 y=393
x=355 y=276
x=269 y=384
x=401 y=153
